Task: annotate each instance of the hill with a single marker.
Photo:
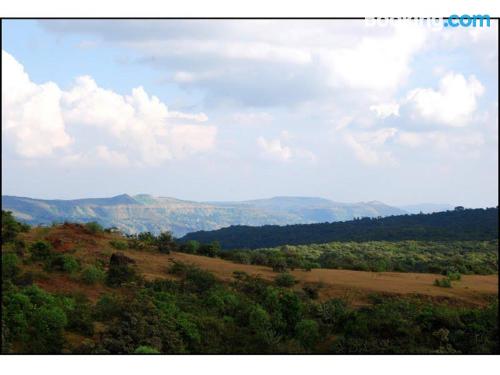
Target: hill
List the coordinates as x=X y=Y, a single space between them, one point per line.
x=75 y=288
x=460 y=225
x=141 y=213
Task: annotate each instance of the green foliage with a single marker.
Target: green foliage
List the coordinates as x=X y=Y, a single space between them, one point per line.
x=165 y=242
x=118 y=245
x=462 y=257
x=307 y=332
x=92 y=275
x=62 y=262
x=121 y=270
x=190 y=247
x=94 y=227
x=10 y=266
x=198 y=314
x=40 y=251
x=143 y=349
x=210 y=249
x=35 y=319
x=11 y=227
x=285 y=280
x=445 y=282
x=459 y=225
x=454 y=276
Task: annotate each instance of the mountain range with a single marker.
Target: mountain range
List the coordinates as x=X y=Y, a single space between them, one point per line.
x=138 y=213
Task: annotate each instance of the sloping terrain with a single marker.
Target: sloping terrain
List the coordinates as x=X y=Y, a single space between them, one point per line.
x=140 y=213
x=356 y=285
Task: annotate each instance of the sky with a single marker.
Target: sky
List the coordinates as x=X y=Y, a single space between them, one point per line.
x=243 y=109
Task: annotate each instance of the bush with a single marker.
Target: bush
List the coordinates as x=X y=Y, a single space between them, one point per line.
x=118 y=245
x=70 y=264
x=64 y=263
x=285 y=280
x=10 y=269
x=307 y=331
x=143 y=349
x=120 y=270
x=311 y=290
x=279 y=265
x=454 y=276
x=40 y=250
x=190 y=247
x=445 y=282
x=11 y=227
x=211 y=250
x=165 y=242
x=93 y=275
x=94 y=227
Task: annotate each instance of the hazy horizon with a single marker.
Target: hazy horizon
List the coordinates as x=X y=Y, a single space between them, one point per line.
x=213 y=110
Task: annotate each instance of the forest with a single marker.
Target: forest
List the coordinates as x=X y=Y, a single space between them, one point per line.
x=465 y=257
x=457 y=225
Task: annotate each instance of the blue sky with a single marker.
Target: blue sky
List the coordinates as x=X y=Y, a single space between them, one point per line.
x=231 y=110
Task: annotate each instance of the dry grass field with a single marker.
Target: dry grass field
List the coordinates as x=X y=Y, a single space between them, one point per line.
x=352 y=285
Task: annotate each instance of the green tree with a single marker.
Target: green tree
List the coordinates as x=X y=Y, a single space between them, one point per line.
x=307 y=332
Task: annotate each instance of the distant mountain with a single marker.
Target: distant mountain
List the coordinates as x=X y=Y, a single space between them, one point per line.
x=143 y=212
x=426 y=208
x=458 y=225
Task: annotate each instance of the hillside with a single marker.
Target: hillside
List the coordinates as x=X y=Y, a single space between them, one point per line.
x=140 y=213
x=469 y=224
x=75 y=288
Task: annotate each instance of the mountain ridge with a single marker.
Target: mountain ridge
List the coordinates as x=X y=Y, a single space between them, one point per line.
x=144 y=212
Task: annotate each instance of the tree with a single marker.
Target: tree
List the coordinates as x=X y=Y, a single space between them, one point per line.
x=41 y=250
x=307 y=332
x=120 y=270
x=10 y=266
x=11 y=227
x=212 y=249
x=165 y=242
x=285 y=280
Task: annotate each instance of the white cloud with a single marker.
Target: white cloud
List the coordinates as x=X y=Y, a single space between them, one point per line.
x=380 y=62
x=31 y=114
x=40 y=118
x=368 y=146
x=385 y=109
x=274 y=149
x=452 y=104
x=277 y=150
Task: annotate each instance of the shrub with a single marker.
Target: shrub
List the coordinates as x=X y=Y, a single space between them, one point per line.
x=120 y=271
x=445 y=282
x=40 y=250
x=143 y=349
x=285 y=280
x=147 y=237
x=11 y=227
x=64 y=263
x=93 y=275
x=211 y=250
x=311 y=290
x=307 y=332
x=165 y=242
x=10 y=268
x=94 y=227
x=190 y=247
x=279 y=265
x=118 y=245
x=454 y=276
